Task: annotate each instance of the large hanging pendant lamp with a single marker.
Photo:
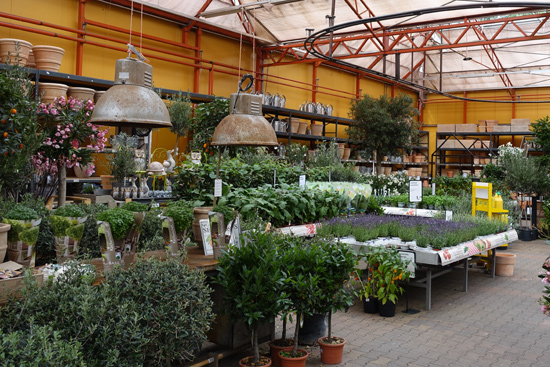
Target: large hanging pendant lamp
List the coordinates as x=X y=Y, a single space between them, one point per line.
x=245 y=125
x=131 y=101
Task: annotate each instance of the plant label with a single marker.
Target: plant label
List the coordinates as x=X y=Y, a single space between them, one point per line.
x=217 y=188
x=206 y=236
x=303 y=181
x=409 y=257
x=433 y=188
x=415 y=191
x=448 y=215
x=274 y=177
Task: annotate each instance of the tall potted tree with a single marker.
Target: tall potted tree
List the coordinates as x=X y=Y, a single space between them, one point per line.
x=181 y=116
x=384 y=125
x=253 y=281
x=339 y=261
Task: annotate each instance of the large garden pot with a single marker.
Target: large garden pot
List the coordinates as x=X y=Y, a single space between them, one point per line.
x=294 y=362
x=387 y=309
x=277 y=346
x=48 y=92
x=527 y=234
x=4 y=228
x=199 y=213
x=316 y=129
x=247 y=361
x=331 y=353
x=370 y=305
x=48 y=57
x=504 y=264
x=8 y=51
x=81 y=93
x=313 y=328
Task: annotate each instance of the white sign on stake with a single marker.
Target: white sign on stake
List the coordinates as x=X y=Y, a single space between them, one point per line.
x=303 y=181
x=206 y=236
x=448 y=215
x=415 y=191
x=217 y=188
x=433 y=188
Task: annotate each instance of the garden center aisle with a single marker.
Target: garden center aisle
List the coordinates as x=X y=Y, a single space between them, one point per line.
x=497 y=323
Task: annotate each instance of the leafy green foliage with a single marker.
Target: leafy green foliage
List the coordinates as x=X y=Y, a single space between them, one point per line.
x=21 y=212
x=70 y=210
x=296 y=154
x=151 y=314
x=207 y=117
x=120 y=220
x=253 y=280
x=541 y=138
x=150 y=237
x=383 y=125
x=326 y=155
x=29 y=236
x=453 y=186
x=75 y=232
x=526 y=175
x=386 y=268
x=89 y=247
x=60 y=225
x=121 y=162
x=228 y=213
x=181 y=114
x=135 y=206
x=182 y=213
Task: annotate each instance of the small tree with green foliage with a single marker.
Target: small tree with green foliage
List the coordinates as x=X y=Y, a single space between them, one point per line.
x=541 y=138
x=181 y=115
x=383 y=125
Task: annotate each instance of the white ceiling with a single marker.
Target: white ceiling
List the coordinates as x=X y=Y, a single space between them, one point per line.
x=525 y=64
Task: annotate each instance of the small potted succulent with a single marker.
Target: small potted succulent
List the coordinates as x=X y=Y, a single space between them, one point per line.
x=68 y=229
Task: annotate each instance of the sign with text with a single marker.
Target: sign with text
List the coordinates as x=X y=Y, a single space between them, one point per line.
x=217 y=188
x=206 y=236
x=303 y=181
x=415 y=191
x=410 y=258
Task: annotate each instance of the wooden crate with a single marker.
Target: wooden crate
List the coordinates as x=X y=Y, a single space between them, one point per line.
x=466 y=128
x=520 y=128
x=441 y=143
x=501 y=129
x=520 y=121
x=446 y=128
x=13 y=286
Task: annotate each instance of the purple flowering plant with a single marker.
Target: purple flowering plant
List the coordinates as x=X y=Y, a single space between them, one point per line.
x=544 y=301
x=70 y=138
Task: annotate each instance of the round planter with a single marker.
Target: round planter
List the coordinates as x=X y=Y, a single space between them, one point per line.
x=302 y=128
x=80 y=171
x=97 y=95
x=347 y=152
x=8 y=51
x=504 y=264
x=264 y=362
x=370 y=305
x=386 y=310
x=294 y=125
x=331 y=353
x=275 y=349
x=294 y=362
x=81 y=93
x=30 y=61
x=48 y=57
x=48 y=92
x=316 y=129
x=199 y=213
x=313 y=328
x=4 y=228
x=341 y=152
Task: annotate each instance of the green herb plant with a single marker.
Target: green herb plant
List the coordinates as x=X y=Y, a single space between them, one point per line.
x=120 y=220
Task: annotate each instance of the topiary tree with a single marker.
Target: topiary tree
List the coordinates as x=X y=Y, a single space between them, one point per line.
x=541 y=138
x=181 y=115
x=383 y=125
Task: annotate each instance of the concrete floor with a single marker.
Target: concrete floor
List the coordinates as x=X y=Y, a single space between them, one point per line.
x=498 y=322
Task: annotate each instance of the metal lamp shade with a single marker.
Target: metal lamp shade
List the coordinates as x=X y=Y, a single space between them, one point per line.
x=131 y=102
x=245 y=126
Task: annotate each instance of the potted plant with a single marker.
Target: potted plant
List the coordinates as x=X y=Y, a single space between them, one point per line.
x=221 y=216
x=68 y=229
x=24 y=227
x=387 y=270
x=181 y=116
x=120 y=222
x=303 y=291
x=122 y=164
x=181 y=211
x=338 y=261
x=253 y=282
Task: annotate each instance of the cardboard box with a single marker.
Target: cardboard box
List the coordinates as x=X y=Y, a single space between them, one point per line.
x=491 y=122
x=466 y=143
x=520 y=128
x=466 y=128
x=446 y=128
x=13 y=286
x=520 y=122
x=501 y=129
x=442 y=144
x=482 y=122
x=482 y=128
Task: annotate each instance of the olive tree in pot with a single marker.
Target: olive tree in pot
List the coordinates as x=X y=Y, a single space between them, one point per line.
x=338 y=262
x=253 y=281
x=384 y=125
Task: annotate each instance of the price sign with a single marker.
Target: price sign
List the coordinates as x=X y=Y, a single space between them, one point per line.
x=217 y=188
x=448 y=215
x=409 y=257
x=303 y=181
x=415 y=191
x=206 y=236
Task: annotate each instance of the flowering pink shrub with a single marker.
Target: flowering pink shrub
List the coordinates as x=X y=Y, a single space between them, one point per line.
x=70 y=137
x=545 y=299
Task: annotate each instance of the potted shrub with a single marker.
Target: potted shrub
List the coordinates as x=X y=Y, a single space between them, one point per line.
x=253 y=281
x=68 y=229
x=23 y=234
x=387 y=269
x=119 y=221
x=181 y=116
x=122 y=163
x=181 y=212
x=338 y=262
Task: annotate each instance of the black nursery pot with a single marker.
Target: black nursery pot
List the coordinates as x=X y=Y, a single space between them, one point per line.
x=370 y=305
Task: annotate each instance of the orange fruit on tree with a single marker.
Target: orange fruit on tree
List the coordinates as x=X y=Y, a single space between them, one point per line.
x=5 y=134
x=13 y=111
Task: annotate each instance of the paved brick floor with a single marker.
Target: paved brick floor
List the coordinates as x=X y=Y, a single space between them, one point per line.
x=497 y=323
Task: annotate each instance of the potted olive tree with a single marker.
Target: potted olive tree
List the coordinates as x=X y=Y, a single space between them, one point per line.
x=339 y=261
x=253 y=282
x=121 y=163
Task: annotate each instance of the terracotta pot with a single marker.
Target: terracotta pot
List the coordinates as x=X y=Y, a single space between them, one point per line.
x=347 y=152
x=199 y=213
x=294 y=362
x=48 y=57
x=294 y=126
x=30 y=61
x=316 y=129
x=107 y=182
x=504 y=264
x=50 y=91
x=80 y=171
x=302 y=128
x=331 y=353
x=81 y=93
x=275 y=349
x=341 y=152
x=8 y=51
x=98 y=95
x=4 y=228
x=245 y=362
